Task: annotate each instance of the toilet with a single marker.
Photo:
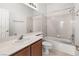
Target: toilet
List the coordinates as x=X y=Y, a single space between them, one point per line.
x=46 y=45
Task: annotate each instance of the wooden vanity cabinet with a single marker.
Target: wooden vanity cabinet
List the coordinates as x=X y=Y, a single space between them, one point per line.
x=34 y=49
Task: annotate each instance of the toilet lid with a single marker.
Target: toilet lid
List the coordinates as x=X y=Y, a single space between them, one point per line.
x=45 y=43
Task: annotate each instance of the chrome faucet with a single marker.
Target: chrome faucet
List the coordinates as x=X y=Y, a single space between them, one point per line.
x=21 y=37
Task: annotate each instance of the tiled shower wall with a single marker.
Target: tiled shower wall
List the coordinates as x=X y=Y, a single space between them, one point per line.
x=59 y=20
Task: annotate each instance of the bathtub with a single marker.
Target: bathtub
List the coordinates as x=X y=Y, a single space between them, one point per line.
x=63 y=45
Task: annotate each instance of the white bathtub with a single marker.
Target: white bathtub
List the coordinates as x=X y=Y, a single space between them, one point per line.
x=63 y=45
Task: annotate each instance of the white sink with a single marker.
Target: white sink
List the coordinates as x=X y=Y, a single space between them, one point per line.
x=25 y=39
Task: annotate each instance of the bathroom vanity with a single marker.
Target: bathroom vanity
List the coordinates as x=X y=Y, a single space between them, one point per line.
x=34 y=49
x=30 y=45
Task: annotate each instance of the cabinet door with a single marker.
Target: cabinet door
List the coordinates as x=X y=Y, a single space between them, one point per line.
x=23 y=52
x=36 y=48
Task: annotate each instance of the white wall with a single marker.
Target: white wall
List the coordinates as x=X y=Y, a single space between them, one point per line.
x=17 y=11
x=42 y=8
x=52 y=7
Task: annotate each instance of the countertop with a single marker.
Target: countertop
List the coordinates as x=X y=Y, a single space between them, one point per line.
x=11 y=46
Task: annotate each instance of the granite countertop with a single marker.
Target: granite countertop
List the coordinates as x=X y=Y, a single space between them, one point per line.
x=11 y=46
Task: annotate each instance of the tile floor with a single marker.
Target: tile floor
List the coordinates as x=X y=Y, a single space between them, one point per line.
x=55 y=53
